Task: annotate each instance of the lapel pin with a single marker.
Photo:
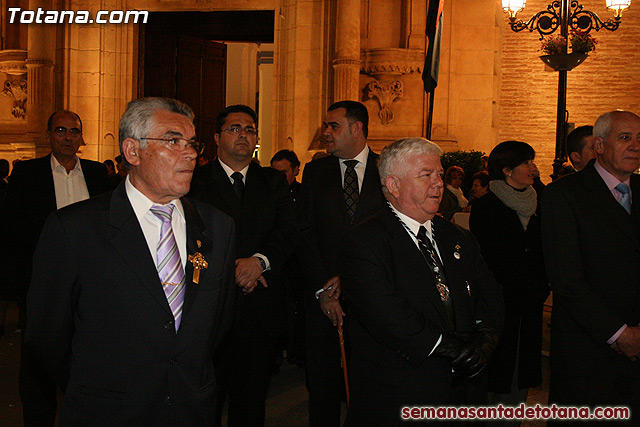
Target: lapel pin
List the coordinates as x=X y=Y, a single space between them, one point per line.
x=456 y=254
x=199 y=263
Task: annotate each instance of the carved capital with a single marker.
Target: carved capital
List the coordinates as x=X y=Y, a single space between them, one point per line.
x=385 y=92
x=16 y=89
x=12 y=62
x=37 y=63
x=381 y=63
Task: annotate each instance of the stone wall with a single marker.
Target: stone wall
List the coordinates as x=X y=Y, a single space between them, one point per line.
x=608 y=79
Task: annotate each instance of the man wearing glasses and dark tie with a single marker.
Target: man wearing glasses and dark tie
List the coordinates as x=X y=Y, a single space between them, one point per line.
x=259 y=201
x=39 y=187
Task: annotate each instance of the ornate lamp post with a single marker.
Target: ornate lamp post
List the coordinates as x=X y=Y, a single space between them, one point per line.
x=563 y=14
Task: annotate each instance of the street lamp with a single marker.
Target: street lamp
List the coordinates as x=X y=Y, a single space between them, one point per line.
x=563 y=14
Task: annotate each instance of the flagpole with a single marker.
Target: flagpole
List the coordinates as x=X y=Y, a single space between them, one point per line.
x=430 y=114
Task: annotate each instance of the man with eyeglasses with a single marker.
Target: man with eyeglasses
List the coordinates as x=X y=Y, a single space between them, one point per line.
x=132 y=291
x=37 y=188
x=259 y=201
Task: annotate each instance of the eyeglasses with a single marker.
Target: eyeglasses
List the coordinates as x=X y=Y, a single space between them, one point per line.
x=236 y=129
x=62 y=131
x=179 y=144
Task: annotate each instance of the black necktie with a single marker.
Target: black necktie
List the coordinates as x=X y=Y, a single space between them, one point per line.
x=437 y=268
x=350 y=189
x=238 y=185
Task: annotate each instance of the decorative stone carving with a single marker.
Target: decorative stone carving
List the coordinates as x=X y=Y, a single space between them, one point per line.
x=13 y=62
x=387 y=62
x=17 y=91
x=385 y=92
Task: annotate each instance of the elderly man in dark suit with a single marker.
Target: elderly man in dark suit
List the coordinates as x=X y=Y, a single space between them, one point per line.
x=132 y=291
x=37 y=188
x=424 y=306
x=259 y=201
x=337 y=192
x=591 y=237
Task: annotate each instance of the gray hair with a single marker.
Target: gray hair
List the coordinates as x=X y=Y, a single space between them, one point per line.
x=602 y=127
x=393 y=157
x=138 y=119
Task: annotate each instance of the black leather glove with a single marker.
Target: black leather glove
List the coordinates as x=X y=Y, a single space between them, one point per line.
x=451 y=345
x=468 y=352
x=481 y=344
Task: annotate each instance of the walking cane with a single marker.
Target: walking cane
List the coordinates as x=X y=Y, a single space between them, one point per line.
x=344 y=361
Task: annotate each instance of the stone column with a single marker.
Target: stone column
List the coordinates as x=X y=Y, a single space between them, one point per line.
x=346 y=62
x=40 y=56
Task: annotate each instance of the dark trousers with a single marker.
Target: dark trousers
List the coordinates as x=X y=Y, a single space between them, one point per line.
x=324 y=373
x=38 y=391
x=244 y=373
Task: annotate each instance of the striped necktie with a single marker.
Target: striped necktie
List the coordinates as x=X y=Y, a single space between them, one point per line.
x=169 y=264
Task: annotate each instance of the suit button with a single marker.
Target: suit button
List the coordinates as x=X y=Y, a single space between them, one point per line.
x=167 y=400
x=173 y=362
x=168 y=325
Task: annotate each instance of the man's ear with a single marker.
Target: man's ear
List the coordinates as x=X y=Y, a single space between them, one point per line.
x=598 y=145
x=130 y=151
x=392 y=184
x=296 y=171
x=216 y=138
x=356 y=127
x=575 y=157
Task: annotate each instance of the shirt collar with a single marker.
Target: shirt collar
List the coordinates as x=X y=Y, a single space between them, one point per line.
x=230 y=171
x=412 y=224
x=610 y=180
x=362 y=157
x=141 y=203
x=55 y=164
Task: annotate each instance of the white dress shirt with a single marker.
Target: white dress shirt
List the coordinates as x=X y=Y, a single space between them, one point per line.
x=69 y=187
x=152 y=225
x=360 y=167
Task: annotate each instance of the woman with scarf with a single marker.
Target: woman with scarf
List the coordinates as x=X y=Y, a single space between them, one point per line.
x=506 y=224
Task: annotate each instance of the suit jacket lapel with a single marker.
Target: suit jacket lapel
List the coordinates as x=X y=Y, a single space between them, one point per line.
x=196 y=242
x=48 y=189
x=224 y=188
x=334 y=176
x=416 y=267
x=370 y=193
x=600 y=197
x=128 y=239
x=253 y=189
x=448 y=246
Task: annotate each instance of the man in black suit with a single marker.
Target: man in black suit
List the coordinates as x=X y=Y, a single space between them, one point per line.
x=326 y=213
x=132 y=291
x=37 y=188
x=591 y=237
x=424 y=305
x=287 y=162
x=258 y=199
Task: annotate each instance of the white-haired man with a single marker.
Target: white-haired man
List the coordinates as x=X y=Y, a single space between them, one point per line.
x=591 y=240
x=424 y=306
